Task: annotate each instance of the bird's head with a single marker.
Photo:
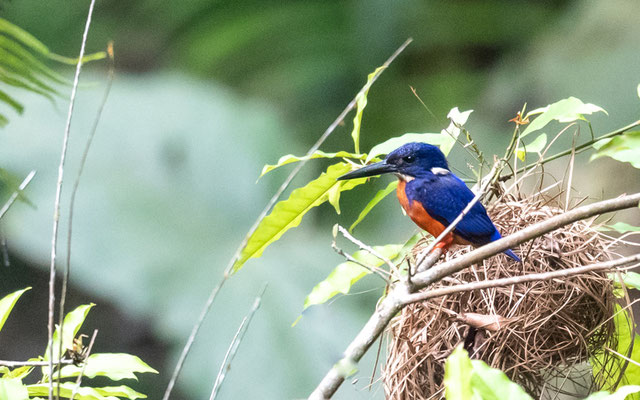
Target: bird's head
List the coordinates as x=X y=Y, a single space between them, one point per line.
x=412 y=160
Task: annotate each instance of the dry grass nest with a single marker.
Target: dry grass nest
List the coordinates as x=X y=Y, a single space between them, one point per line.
x=531 y=331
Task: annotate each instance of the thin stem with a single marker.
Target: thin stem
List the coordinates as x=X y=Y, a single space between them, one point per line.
x=14 y=364
x=15 y=194
x=235 y=343
x=56 y=212
x=263 y=214
x=84 y=366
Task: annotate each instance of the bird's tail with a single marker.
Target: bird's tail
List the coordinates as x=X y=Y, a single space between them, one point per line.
x=512 y=255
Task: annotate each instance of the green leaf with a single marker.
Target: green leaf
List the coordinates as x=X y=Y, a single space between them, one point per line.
x=7 y=303
x=457 y=375
x=630 y=279
x=346 y=274
x=115 y=366
x=534 y=147
x=624 y=148
x=30 y=60
x=13 y=389
x=620 y=227
x=120 y=391
x=23 y=36
x=386 y=147
x=458 y=119
x=361 y=102
x=492 y=384
x=288 y=213
x=290 y=158
x=620 y=394
x=373 y=202
x=19 y=373
x=72 y=323
x=566 y=110
x=11 y=102
x=66 y=390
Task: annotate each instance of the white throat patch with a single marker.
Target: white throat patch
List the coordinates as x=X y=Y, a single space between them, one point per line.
x=405 y=178
x=440 y=171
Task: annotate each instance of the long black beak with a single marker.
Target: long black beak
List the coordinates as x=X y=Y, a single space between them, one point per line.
x=378 y=168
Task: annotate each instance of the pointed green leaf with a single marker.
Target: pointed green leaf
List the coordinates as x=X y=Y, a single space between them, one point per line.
x=120 y=391
x=115 y=366
x=457 y=375
x=290 y=158
x=386 y=147
x=492 y=384
x=23 y=36
x=66 y=390
x=7 y=303
x=30 y=60
x=361 y=103
x=567 y=110
x=346 y=274
x=376 y=199
x=621 y=394
x=13 y=389
x=19 y=373
x=5 y=98
x=624 y=148
x=288 y=213
x=534 y=147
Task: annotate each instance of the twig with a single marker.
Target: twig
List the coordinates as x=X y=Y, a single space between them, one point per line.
x=83 y=161
x=84 y=365
x=377 y=271
x=15 y=194
x=263 y=214
x=369 y=249
x=13 y=364
x=393 y=302
x=542 y=276
x=56 y=208
x=235 y=343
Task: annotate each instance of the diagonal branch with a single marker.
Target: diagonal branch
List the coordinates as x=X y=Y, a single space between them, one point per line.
x=394 y=301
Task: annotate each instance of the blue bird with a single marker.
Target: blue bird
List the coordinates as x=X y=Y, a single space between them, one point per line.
x=433 y=196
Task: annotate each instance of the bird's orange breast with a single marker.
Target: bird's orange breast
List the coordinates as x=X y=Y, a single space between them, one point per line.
x=417 y=213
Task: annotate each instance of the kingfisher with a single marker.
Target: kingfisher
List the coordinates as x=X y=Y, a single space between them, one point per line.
x=433 y=196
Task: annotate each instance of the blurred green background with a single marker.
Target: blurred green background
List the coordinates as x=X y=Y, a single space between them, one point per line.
x=207 y=92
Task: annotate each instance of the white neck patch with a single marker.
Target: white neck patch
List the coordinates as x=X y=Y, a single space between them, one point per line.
x=405 y=178
x=440 y=171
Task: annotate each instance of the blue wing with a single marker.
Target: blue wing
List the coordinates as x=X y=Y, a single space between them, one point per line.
x=444 y=197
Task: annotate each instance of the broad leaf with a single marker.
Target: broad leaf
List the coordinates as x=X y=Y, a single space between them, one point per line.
x=115 y=366
x=620 y=227
x=13 y=389
x=19 y=373
x=83 y=393
x=492 y=384
x=361 y=103
x=288 y=213
x=566 y=110
x=373 y=202
x=7 y=303
x=346 y=274
x=621 y=394
x=624 y=148
x=457 y=375
x=534 y=147
x=445 y=139
x=290 y=158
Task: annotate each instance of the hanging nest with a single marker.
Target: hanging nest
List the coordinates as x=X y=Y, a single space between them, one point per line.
x=532 y=331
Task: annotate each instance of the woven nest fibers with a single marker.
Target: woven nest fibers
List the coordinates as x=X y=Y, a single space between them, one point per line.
x=532 y=331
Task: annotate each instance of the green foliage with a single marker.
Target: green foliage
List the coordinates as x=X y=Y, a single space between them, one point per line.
x=112 y=366
x=620 y=227
x=563 y=111
x=466 y=379
x=621 y=394
x=534 y=147
x=361 y=103
x=288 y=213
x=21 y=67
x=290 y=158
x=381 y=194
x=624 y=148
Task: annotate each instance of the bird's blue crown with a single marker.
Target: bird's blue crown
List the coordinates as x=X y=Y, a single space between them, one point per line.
x=417 y=159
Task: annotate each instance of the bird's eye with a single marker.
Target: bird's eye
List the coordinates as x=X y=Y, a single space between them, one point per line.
x=408 y=159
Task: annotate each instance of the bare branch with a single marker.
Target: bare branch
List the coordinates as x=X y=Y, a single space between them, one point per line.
x=263 y=214
x=15 y=194
x=393 y=302
x=13 y=364
x=235 y=343
x=367 y=248
x=56 y=211
x=543 y=276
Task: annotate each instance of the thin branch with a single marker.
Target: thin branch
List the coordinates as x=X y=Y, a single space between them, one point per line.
x=15 y=194
x=393 y=302
x=14 y=364
x=84 y=365
x=83 y=161
x=542 y=276
x=376 y=271
x=368 y=249
x=56 y=211
x=263 y=214
x=235 y=343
